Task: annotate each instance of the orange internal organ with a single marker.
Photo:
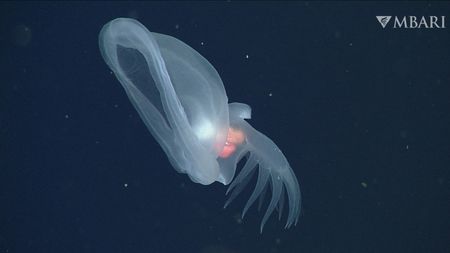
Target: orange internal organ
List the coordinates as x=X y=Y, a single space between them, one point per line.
x=235 y=137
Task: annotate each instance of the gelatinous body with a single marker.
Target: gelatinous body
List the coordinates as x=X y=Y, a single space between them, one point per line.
x=182 y=101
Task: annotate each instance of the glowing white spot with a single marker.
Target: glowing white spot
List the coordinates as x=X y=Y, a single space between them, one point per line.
x=204 y=130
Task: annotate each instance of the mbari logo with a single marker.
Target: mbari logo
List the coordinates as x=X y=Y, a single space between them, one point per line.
x=383 y=20
x=413 y=22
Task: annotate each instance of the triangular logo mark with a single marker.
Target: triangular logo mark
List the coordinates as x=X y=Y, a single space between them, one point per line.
x=383 y=20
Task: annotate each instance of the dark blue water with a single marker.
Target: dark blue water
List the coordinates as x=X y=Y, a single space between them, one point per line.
x=362 y=113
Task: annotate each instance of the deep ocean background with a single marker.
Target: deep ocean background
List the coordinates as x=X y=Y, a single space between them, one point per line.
x=362 y=113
